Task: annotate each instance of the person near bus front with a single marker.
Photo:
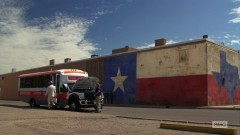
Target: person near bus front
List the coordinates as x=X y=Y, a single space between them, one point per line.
x=51 y=93
x=98 y=95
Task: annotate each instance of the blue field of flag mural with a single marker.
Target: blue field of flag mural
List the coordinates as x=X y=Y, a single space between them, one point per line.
x=120 y=78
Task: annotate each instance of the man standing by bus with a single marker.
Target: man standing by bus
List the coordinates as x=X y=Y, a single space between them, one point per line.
x=51 y=93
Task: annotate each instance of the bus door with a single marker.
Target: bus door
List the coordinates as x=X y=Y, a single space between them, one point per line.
x=56 y=82
x=62 y=93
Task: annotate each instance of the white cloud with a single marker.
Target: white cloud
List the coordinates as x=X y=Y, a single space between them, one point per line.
x=171 y=42
x=235 y=42
x=230 y=40
x=227 y=36
x=25 y=45
x=153 y=44
x=99 y=13
x=236 y=1
x=235 y=20
x=146 y=46
x=235 y=11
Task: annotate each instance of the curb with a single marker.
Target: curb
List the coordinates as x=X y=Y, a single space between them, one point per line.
x=202 y=129
x=233 y=107
x=175 y=121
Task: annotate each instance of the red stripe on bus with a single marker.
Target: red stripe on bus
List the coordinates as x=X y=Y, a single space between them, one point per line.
x=62 y=95
x=74 y=77
x=38 y=74
x=74 y=71
x=40 y=94
x=31 y=93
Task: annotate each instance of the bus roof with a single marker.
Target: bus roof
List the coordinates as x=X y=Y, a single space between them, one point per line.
x=60 y=71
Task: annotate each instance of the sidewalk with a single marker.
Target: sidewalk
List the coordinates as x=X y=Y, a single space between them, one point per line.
x=225 y=107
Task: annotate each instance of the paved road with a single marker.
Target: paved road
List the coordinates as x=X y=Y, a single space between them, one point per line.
x=174 y=114
x=17 y=118
x=232 y=116
x=177 y=114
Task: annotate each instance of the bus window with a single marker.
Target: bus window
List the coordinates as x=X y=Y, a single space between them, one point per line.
x=22 y=83
x=46 y=80
x=35 y=82
x=28 y=83
x=40 y=82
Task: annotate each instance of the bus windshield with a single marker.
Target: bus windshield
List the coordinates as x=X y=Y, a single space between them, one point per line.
x=70 y=85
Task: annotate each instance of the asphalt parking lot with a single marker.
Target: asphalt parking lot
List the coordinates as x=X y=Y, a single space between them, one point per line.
x=17 y=118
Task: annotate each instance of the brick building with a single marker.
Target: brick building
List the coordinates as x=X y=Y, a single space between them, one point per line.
x=197 y=72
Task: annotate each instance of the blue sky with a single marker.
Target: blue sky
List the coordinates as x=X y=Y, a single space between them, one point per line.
x=35 y=31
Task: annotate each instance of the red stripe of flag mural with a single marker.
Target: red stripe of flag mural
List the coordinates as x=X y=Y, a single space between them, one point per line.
x=177 y=90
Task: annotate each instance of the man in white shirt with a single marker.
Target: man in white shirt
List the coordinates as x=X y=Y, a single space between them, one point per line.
x=51 y=93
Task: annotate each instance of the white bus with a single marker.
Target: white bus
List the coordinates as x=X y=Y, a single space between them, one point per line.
x=32 y=87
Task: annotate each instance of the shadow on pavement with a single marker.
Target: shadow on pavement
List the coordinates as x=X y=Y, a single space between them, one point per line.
x=15 y=106
x=84 y=110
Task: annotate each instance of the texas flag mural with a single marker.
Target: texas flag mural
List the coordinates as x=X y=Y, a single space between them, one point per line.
x=224 y=85
x=120 y=78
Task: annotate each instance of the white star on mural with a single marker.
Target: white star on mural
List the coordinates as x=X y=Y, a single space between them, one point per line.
x=118 y=80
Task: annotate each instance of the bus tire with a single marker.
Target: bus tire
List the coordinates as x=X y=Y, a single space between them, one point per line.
x=32 y=103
